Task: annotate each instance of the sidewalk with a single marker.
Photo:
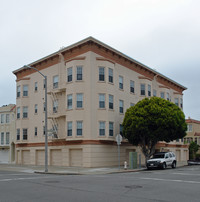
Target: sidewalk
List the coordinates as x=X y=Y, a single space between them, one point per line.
x=65 y=170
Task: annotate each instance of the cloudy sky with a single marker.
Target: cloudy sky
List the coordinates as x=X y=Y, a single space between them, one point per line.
x=162 y=34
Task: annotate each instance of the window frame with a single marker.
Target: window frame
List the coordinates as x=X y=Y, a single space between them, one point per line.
x=101 y=74
x=111 y=101
x=79 y=128
x=25 y=90
x=69 y=101
x=79 y=100
x=69 y=74
x=79 y=73
x=132 y=86
x=102 y=128
x=110 y=75
x=69 y=128
x=142 y=89
x=102 y=99
x=121 y=82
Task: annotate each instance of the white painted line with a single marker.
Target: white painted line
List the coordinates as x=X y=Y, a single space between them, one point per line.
x=24 y=178
x=169 y=180
x=186 y=174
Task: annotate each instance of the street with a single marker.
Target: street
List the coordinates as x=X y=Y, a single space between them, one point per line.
x=180 y=184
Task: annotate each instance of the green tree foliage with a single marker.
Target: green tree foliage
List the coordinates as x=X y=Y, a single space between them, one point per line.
x=193 y=148
x=152 y=120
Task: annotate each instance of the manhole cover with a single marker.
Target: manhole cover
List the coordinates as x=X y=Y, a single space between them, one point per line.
x=52 y=181
x=133 y=186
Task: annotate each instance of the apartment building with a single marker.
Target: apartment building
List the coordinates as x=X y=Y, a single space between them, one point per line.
x=193 y=131
x=7 y=133
x=90 y=85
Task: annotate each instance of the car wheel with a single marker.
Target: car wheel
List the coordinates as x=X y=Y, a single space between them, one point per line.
x=164 y=165
x=174 y=164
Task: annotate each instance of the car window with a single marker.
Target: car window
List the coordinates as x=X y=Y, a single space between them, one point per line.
x=170 y=155
x=166 y=155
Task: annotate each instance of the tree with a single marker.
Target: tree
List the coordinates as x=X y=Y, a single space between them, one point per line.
x=193 y=148
x=152 y=120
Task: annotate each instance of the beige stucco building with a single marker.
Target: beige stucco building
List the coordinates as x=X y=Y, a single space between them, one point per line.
x=193 y=131
x=7 y=133
x=90 y=85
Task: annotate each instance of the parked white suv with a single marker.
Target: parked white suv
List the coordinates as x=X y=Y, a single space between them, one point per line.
x=162 y=160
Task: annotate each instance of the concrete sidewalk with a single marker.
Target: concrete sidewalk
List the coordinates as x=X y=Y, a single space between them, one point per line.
x=65 y=170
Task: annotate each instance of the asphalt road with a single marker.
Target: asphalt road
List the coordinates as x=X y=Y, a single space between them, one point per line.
x=180 y=184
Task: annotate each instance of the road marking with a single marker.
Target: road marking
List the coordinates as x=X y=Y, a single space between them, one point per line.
x=24 y=178
x=169 y=180
x=186 y=174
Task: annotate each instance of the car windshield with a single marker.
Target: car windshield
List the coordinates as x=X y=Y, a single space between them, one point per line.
x=157 y=156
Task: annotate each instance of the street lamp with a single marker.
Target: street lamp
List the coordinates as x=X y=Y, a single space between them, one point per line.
x=46 y=137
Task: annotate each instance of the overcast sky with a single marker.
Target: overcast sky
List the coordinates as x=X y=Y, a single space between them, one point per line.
x=162 y=34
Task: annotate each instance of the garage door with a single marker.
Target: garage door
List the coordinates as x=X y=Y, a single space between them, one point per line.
x=76 y=157
x=56 y=157
x=4 y=156
x=26 y=157
x=40 y=157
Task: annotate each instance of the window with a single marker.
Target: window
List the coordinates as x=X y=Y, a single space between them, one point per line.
x=101 y=101
x=121 y=82
x=176 y=102
x=36 y=108
x=79 y=73
x=167 y=96
x=55 y=106
x=79 y=102
x=18 y=91
x=121 y=129
x=25 y=134
x=55 y=81
x=69 y=128
x=101 y=128
x=101 y=74
x=121 y=106
x=7 y=138
x=69 y=74
x=36 y=86
x=7 y=118
x=132 y=84
x=79 y=128
x=111 y=132
x=142 y=89
x=18 y=112
x=69 y=101
x=162 y=95
x=35 y=131
x=110 y=75
x=25 y=112
x=189 y=128
x=149 y=90
x=154 y=93
x=181 y=103
x=2 y=118
x=25 y=90
x=110 y=101
x=2 y=138
x=132 y=104
x=18 y=134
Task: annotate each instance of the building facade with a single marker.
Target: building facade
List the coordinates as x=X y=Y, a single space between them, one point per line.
x=193 y=131
x=7 y=133
x=90 y=85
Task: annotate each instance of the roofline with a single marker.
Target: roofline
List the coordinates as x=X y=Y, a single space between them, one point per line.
x=106 y=46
